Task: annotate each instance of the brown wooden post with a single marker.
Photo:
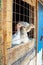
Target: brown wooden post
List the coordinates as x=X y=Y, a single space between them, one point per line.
x=1 y=34
x=5 y=29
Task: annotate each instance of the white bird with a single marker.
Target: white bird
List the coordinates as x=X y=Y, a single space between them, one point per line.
x=28 y=28
x=21 y=34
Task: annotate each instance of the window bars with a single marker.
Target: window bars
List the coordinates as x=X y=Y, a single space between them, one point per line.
x=23 y=11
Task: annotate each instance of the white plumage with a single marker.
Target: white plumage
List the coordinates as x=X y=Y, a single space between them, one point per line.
x=21 y=35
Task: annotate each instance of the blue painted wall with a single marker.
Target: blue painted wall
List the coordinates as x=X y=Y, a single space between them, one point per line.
x=40 y=26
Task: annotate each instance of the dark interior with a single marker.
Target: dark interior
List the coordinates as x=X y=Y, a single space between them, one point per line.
x=22 y=11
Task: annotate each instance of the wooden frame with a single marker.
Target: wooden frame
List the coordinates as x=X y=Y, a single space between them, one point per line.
x=6 y=31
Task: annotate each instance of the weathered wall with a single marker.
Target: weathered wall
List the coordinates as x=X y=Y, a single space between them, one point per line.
x=5 y=28
x=1 y=34
x=7 y=22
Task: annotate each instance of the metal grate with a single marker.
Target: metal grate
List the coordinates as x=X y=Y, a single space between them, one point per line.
x=22 y=11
